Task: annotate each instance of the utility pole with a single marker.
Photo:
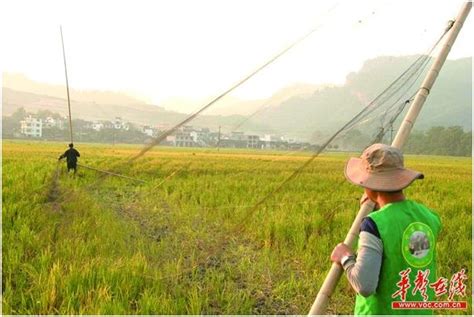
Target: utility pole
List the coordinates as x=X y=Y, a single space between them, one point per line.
x=329 y=284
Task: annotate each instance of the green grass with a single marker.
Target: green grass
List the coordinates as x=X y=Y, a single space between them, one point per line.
x=94 y=245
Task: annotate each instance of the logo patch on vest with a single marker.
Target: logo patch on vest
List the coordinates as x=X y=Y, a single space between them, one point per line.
x=418 y=244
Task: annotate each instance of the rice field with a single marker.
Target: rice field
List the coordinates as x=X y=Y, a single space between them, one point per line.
x=187 y=240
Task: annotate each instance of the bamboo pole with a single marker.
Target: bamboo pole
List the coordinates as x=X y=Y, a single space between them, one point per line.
x=329 y=284
x=67 y=85
x=423 y=92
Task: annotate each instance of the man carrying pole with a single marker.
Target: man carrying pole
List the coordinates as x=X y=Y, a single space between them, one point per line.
x=396 y=243
x=71 y=156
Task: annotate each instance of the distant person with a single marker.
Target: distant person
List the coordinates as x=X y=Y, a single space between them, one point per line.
x=389 y=258
x=71 y=156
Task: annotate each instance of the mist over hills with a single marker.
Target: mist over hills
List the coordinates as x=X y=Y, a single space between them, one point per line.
x=22 y=83
x=138 y=112
x=450 y=99
x=230 y=105
x=327 y=109
x=300 y=110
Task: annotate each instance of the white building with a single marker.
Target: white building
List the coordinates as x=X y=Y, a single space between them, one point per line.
x=119 y=124
x=148 y=130
x=201 y=136
x=32 y=127
x=180 y=139
x=184 y=139
x=51 y=122
x=96 y=125
x=253 y=141
x=271 y=138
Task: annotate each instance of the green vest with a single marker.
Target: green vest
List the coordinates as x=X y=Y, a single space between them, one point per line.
x=408 y=231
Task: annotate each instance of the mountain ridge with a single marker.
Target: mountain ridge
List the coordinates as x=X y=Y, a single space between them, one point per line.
x=297 y=110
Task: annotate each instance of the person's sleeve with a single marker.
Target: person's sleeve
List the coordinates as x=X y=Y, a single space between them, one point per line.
x=77 y=153
x=363 y=273
x=368 y=225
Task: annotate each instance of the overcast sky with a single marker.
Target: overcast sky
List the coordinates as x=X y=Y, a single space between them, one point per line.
x=196 y=49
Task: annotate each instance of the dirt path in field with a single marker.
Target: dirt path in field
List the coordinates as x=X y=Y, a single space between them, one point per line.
x=165 y=223
x=156 y=231
x=54 y=192
x=127 y=204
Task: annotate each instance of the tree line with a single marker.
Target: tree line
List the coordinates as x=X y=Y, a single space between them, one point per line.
x=453 y=140
x=440 y=141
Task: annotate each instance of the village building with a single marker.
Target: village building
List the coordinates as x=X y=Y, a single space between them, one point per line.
x=51 y=122
x=119 y=124
x=201 y=137
x=185 y=136
x=253 y=141
x=146 y=129
x=97 y=125
x=184 y=139
x=31 y=127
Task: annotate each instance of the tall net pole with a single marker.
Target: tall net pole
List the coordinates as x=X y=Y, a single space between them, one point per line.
x=67 y=85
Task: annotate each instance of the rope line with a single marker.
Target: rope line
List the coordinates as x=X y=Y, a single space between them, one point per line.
x=414 y=71
x=111 y=173
x=383 y=129
x=168 y=132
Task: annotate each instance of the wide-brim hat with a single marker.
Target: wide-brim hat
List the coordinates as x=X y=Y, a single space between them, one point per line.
x=380 y=168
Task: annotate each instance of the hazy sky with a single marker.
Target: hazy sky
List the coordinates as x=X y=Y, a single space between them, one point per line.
x=196 y=49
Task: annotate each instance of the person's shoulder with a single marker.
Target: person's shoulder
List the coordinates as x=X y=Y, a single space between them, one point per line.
x=427 y=210
x=420 y=206
x=369 y=225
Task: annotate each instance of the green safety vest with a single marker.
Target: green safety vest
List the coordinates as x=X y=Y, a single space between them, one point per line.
x=408 y=231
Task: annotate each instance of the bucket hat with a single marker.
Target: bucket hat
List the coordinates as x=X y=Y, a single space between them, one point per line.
x=380 y=168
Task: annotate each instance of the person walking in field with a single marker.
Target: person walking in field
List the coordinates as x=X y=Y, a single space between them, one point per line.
x=71 y=156
x=396 y=256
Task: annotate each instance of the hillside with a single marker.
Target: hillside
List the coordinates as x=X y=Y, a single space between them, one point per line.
x=299 y=110
x=227 y=106
x=328 y=108
x=139 y=113
x=22 y=83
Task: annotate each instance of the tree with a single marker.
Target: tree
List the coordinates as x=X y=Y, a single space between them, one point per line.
x=441 y=141
x=19 y=115
x=9 y=127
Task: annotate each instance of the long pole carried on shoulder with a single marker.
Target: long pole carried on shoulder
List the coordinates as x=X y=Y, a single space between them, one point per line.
x=329 y=284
